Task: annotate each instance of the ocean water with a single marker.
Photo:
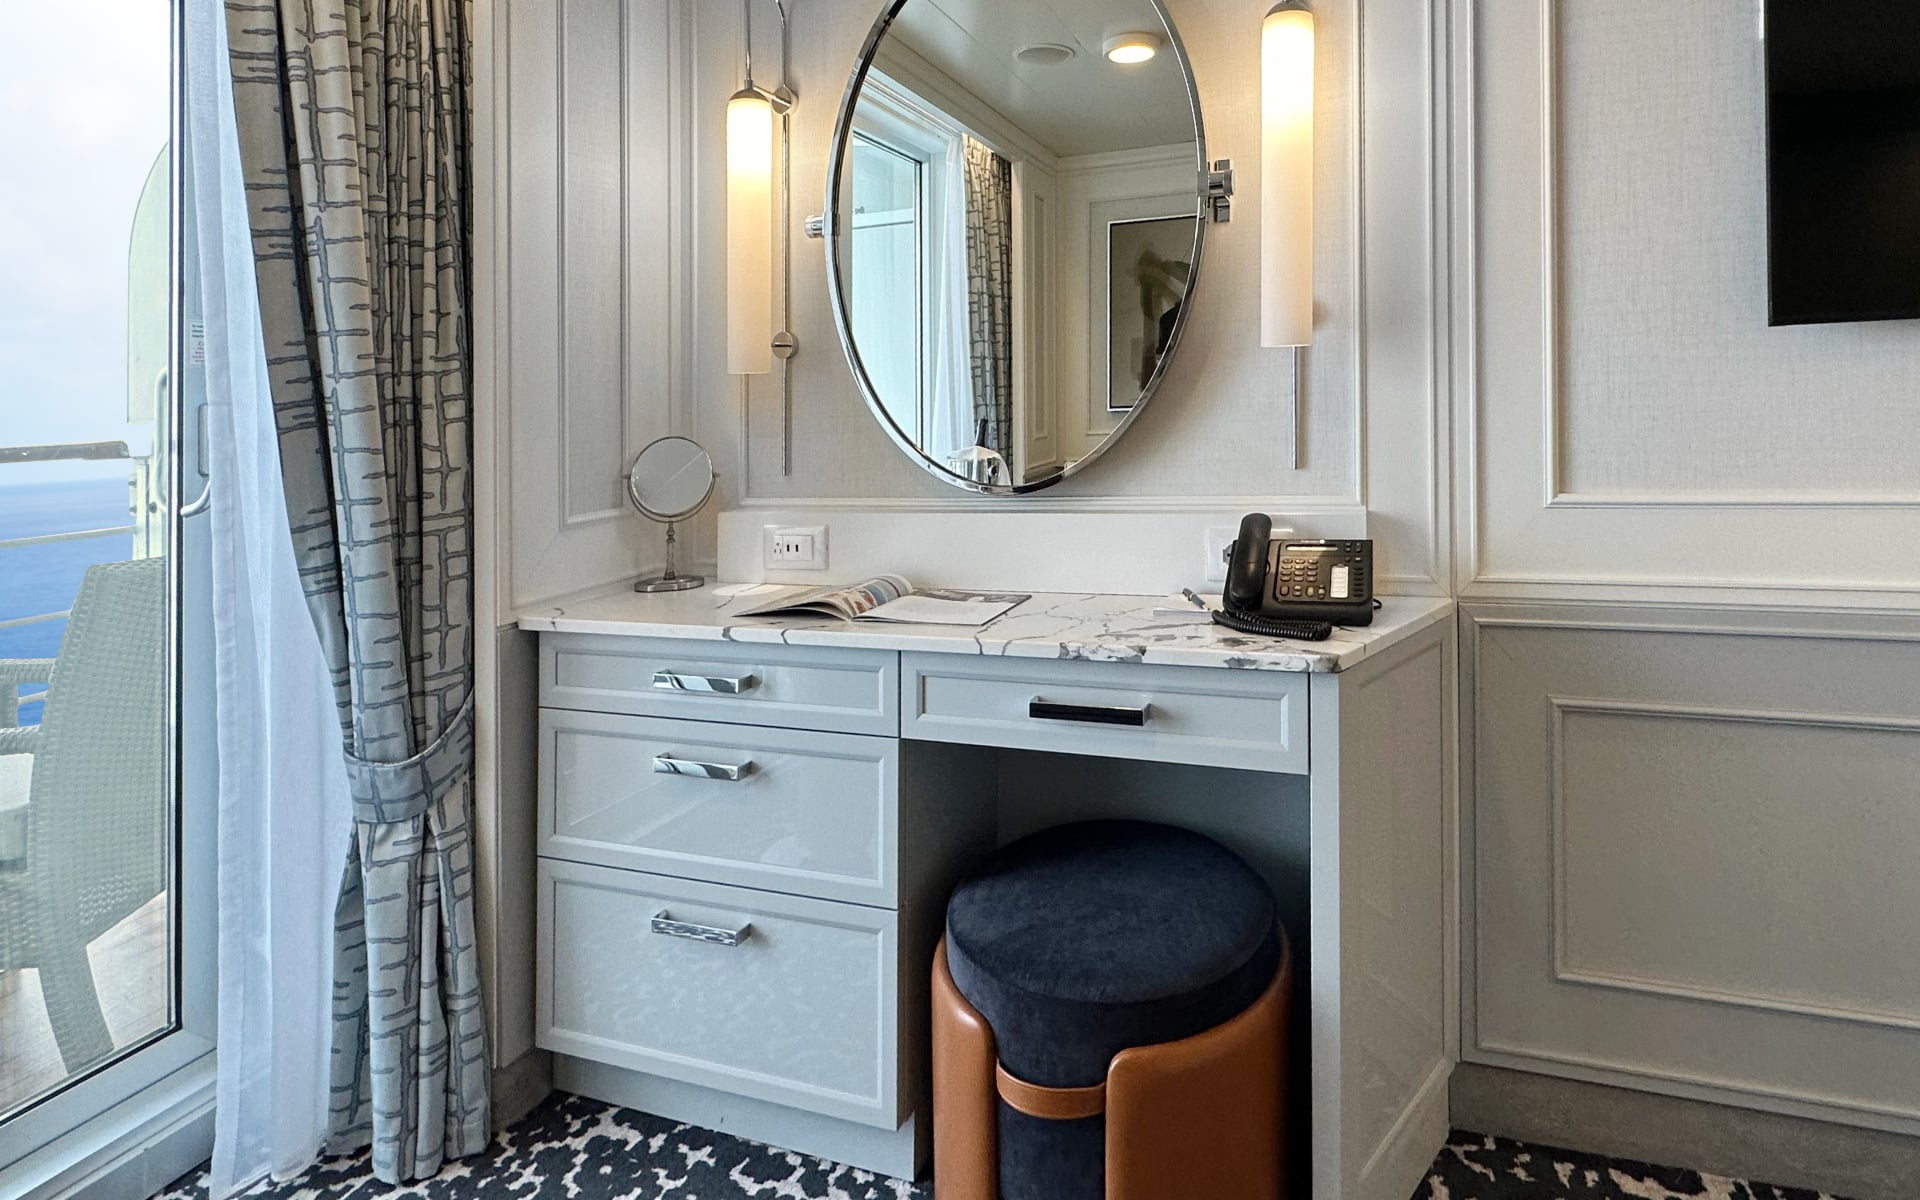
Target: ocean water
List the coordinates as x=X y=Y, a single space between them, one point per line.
x=45 y=578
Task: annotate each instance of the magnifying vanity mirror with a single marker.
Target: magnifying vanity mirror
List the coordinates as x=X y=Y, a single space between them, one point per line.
x=671 y=479
x=1014 y=227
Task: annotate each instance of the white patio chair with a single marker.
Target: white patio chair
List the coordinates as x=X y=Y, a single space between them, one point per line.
x=97 y=805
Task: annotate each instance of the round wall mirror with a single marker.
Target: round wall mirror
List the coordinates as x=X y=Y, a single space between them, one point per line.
x=671 y=479
x=1014 y=226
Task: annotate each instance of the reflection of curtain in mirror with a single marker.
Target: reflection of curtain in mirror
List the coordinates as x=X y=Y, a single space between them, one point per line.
x=989 y=187
x=949 y=419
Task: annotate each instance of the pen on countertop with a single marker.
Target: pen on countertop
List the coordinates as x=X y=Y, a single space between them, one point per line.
x=1197 y=601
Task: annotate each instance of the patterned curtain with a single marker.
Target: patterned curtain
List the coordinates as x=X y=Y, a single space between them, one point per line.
x=990 y=291
x=353 y=123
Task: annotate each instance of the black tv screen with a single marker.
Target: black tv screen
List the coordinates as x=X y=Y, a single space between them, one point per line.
x=1843 y=160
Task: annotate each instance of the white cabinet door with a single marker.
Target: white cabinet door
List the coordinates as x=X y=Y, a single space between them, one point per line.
x=814 y=814
x=801 y=1009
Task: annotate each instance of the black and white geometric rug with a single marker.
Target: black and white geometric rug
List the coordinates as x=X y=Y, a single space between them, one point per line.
x=571 y=1148
x=1475 y=1167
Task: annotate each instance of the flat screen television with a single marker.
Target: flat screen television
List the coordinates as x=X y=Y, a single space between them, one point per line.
x=1843 y=160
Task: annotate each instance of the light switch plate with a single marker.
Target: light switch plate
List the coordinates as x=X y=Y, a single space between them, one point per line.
x=795 y=547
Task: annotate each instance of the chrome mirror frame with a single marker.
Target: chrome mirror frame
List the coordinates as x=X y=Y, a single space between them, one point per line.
x=837 y=165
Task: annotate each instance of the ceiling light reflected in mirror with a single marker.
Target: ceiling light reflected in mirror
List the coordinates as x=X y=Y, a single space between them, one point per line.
x=1130 y=48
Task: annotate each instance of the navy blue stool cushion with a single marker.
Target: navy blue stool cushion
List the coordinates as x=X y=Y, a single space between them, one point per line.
x=1083 y=940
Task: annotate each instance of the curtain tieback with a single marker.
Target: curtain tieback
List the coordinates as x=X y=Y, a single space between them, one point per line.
x=385 y=792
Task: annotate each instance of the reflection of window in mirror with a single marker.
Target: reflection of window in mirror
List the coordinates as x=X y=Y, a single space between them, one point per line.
x=888 y=223
x=908 y=270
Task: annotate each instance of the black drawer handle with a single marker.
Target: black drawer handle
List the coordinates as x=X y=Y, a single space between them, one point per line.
x=1089 y=714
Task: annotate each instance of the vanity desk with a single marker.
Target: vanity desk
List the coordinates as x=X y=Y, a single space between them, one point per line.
x=749 y=826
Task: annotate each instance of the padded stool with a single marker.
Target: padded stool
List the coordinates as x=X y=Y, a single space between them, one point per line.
x=1109 y=1016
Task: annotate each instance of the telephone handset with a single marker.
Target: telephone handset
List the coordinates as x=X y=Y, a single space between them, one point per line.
x=1296 y=580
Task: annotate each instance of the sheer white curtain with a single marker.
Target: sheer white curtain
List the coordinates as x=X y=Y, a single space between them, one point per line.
x=950 y=426
x=284 y=811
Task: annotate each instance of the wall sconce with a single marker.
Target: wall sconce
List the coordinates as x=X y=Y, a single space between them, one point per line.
x=749 y=233
x=1286 y=176
x=753 y=340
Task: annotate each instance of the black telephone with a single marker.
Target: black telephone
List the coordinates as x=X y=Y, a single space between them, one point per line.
x=1296 y=587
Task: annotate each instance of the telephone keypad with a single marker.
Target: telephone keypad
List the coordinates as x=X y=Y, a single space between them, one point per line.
x=1336 y=571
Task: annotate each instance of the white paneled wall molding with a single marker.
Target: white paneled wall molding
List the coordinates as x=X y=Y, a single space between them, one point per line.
x=1632 y=427
x=595 y=278
x=1689 y=854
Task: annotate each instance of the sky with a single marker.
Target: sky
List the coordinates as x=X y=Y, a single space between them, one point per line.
x=84 y=89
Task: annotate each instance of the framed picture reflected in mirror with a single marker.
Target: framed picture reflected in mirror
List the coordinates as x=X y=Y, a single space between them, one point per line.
x=1148 y=268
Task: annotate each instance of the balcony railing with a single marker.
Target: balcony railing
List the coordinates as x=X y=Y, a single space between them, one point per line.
x=10 y=700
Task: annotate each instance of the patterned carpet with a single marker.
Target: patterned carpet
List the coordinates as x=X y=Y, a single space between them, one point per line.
x=581 y=1149
x=1475 y=1167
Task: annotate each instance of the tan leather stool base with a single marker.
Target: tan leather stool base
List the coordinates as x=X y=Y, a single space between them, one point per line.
x=1202 y=1116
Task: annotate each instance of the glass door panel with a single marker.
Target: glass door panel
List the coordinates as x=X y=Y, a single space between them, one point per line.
x=886 y=278
x=90 y=581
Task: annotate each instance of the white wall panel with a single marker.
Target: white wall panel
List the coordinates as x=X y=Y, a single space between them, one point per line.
x=596 y=282
x=1704 y=851
x=1636 y=430
x=1692 y=842
x=592 y=309
x=1670 y=381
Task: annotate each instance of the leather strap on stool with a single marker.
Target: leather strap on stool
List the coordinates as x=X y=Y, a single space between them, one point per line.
x=1049 y=1104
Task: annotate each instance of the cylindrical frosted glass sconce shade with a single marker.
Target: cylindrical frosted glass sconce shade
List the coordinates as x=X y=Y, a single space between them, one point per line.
x=749 y=234
x=1286 y=178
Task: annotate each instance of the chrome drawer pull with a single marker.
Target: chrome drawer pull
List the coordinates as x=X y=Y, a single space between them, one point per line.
x=1092 y=714
x=667 y=764
x=662 y=923
x=724 y=685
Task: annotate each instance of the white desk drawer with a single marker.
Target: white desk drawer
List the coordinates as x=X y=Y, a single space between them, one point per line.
x=804 y=1011
x=794 y=687
x=1256 y=720
x=815 y=814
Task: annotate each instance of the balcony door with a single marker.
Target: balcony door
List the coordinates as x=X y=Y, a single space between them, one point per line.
x=106 y=789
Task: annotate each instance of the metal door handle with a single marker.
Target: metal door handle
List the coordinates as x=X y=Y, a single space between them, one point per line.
x=1091 y=714
x=673 y=681
x=667 y=764
x=664 y=924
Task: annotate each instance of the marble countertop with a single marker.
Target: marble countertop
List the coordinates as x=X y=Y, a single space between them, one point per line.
x=1049 y=625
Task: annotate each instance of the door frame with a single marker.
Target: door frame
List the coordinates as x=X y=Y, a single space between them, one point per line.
x=134 y=1126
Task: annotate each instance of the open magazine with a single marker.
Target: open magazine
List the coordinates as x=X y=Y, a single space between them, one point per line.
x=888 y=598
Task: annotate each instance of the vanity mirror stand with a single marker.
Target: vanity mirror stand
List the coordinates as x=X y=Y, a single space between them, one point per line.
x=672 y=479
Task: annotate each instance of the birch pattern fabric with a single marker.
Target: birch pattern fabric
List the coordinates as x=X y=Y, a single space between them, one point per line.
x=353 y=132
x=989 y=191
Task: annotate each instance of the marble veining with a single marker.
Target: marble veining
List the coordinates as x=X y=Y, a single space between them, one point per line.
x=1057 y=625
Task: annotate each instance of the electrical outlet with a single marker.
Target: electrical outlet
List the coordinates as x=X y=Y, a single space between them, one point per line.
x=795 y=547
x=1216 y=543
x=1215 y=547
